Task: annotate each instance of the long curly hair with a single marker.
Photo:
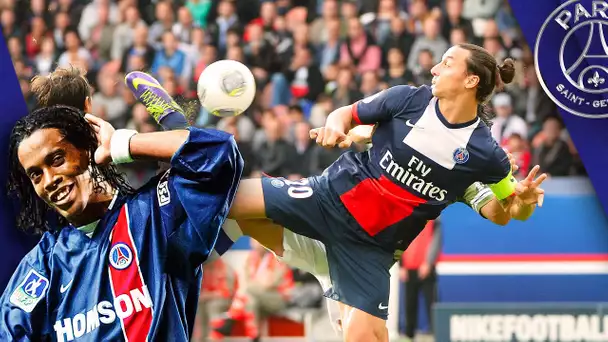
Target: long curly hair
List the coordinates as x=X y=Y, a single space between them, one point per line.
x=34 y=215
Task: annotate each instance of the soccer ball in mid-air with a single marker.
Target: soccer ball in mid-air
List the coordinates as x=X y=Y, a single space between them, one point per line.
x=226 y=88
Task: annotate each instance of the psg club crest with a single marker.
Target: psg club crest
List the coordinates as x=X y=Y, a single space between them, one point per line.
x=461 y=155
x=121 y=256
x=571 y=57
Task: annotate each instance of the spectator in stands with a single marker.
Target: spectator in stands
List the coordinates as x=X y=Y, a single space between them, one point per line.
x=260 y=55
x=200 y=10
x=45 y=60
x=397 y=72
x=430 y=40
x=100 y=43
x=90 y=13
x=417 y=11
x=518 y=147
x=381 y=25
x=219 y=286
x=110 y=97
x=62 y=23
x=454 y=20
x=9 y=27
x=15 y=49
x=164 y=22
x=360 y=49
x=140 y=48
x=125 y=32
x=184 y=26
x=244 y=147
x=170 y=56
x=32 y=39
x=302 y=160
x=346 y=91
x=268 y=14
x=226 y=19
x=422 y=71
x=370 y=84
x=537 y=104
x=458 y=36
x=273 y=152
x=399 y=38
x=75 y=54
x=418 y=271
x=552 y=152
x=319 y=28
x=506 y=122
x=328 y=51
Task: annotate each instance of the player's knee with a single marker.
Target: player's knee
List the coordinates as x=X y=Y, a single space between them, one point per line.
x=359 y=333
x=363 y=327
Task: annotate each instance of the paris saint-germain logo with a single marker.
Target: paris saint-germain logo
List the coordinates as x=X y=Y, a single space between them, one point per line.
x=461 y=155
x=571 y=57
x=121 y=256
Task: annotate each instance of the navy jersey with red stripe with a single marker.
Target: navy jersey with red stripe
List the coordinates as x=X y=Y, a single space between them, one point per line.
x=418 y=164
x=138 y=276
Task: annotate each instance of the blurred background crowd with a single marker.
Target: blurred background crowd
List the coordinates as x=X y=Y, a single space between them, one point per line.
x=308 y=56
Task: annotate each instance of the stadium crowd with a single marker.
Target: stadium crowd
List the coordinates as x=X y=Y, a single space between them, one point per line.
x=308 y=57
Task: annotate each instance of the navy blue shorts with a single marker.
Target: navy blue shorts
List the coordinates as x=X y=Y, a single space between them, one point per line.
x=358 y=266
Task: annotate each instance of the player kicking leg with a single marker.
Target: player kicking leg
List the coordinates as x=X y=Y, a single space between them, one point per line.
x=430 y=145
x=295 y=250
x=310 y=255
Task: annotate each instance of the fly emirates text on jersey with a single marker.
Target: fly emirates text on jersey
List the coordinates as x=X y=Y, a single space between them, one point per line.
x=413 y=176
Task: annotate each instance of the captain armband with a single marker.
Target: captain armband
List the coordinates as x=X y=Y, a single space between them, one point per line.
x=504 y=189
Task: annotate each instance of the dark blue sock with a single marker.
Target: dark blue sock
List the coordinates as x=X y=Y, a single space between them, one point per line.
x=174 y=120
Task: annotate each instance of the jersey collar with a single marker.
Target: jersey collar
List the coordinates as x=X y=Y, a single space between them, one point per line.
x=89 y=229
x=447 y=124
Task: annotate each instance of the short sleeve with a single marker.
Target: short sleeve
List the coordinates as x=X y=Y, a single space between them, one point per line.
x=382 y=106
x=195 y=194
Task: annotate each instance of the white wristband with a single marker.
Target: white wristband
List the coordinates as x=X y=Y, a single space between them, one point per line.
x=119 y=146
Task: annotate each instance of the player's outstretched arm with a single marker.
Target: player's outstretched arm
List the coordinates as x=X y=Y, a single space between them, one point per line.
x=527 y=196
x=382 y=106
x=195 y=195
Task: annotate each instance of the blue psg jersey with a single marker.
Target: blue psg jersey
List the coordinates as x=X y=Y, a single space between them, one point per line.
x=138 y=276
x=418 y=164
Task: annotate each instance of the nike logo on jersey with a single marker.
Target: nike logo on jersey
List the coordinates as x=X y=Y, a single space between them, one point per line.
x=104 y=312
x=412 y=176
x=409 y=123
x=63 y=288
x=382 y=307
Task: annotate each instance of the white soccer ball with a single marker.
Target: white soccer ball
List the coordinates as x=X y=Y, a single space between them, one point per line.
x=226 y=88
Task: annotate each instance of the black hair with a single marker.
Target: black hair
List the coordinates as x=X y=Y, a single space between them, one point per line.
x=34 y=214
x=491 y=76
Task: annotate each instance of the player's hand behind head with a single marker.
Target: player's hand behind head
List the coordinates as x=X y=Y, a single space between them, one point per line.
x=328 y=137
x=104 y=132
x=528 y=190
